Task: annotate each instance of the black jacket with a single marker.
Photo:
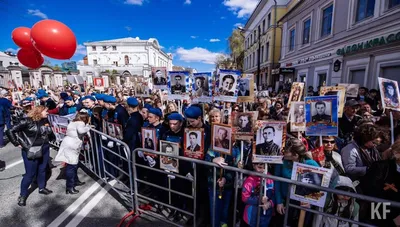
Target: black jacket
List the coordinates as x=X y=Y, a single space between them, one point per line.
x=31 y=129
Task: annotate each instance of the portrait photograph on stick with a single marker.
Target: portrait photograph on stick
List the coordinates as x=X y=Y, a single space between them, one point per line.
x=98 y=84
x=168 y=163
x=389 y=94
x=202 y=88
x=270 y=142
x=149 y=139
x=351 y=90
x=297 y=117
x=110 y=129
x=221 y=135
x=317 y=176
x=296 y=92
x=178 y=85
x=246 y=88
x=194 y=143
x=226 y=85
x=243 y=123
x=159 y=76
x=321 y=115
x=335 y=90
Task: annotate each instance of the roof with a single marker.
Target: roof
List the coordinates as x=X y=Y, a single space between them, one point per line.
x=291 y=10
x=121 y=40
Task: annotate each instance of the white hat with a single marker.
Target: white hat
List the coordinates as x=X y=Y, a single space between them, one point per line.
x=3 y=92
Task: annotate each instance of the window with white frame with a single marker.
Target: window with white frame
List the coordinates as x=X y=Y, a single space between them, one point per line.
x=250 y=62
x=393 y=3
x=365 y=9
x=306 y=31
x=263 y=26
x=322 y=79
x=267 y=52
x=269 y=20
x=255 y=35
x=327 y=14
x=251 y=39
x=254 y=59
x=262 y=54
x=357 y=76
x=114 y=48
x=292 y=37
x=302 y=78
x=93 y=48
x=94 y=62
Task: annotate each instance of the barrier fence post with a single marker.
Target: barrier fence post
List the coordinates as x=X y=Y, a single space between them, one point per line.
x=194 y=191
x=214 y=195
x=236 y=196
x=135 y=198
x=96 y=152
x=287 y=202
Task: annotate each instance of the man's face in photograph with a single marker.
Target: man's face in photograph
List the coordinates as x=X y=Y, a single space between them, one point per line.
x=222 y=134
x=158 y=74
x=192 y=140
x=168 y=150
x=390 y=90
x=320 y=109
x=301 y=109
x=199 y=83
x=178 y=80
x=268 y=134
x=243 y=121
x=242 y=85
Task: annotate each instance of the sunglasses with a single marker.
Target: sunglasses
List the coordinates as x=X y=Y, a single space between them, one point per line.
x=328 y=141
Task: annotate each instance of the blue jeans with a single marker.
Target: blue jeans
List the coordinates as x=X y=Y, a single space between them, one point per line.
x=221 y=206
x=2 y=135
x=35 y=167
x=71 y=173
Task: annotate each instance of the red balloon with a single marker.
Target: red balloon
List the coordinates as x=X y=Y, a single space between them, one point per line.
x=31 y=58
x=22 y=37
x=54 y=39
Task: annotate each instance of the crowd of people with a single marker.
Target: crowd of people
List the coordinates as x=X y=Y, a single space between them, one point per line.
x=362 y=157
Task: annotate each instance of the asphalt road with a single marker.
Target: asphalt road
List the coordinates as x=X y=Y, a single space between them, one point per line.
x=96 y=204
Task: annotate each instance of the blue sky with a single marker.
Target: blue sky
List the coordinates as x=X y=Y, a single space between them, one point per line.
x=195 y=31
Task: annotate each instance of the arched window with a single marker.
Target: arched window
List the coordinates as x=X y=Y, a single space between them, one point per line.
x=126 y=60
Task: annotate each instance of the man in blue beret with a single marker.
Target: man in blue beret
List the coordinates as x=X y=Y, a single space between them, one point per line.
x=133 y=125
x=46 y=101
x=116 y=113
x=145 y=114
x=89 y=104
x=69 y=107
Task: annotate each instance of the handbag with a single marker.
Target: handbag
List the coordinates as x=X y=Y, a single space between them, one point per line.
x=34 y=152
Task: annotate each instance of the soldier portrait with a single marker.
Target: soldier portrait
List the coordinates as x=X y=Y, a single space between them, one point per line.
x=243 y=122
x=201 y=87
x=221 y=137
x=159 y=77
x=297 y=117
x=243 y=88
x=169 y=163
x=270 y=139
x=321 y=112
x=149 y=139
x=268 y=147
x=194 y=143
x=178 y=84
x=111 y=130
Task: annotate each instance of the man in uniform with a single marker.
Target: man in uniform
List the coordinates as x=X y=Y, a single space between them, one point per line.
x=242 y=88
x=268 y=147
x=159 y=79
x=321 y=116
x=46 y=101
x=222 y=141
x=193 y=147
x=178 y=88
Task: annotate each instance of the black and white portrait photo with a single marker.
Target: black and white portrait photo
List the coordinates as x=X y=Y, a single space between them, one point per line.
x=227 y=84
x=221 y=137
x=193 y=143
x=297 y=117
x=271 y=144
x=321 y=112
x=308 y=178
x=351 y=90
x=270 y=138
x=178 y=84
x=201 y=87
x=149 y=140
x=243 y=122
x=168 y=163
x=243 y=88
x=226 y=116
x=118 y=132
x=111 y=130
x=390 y=93
x=159 y=76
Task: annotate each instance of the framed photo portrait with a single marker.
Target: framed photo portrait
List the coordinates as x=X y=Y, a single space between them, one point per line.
x=221 y=136
x=159 y=76
x=389 y=94
x=296 y=92
x=335 y=90
x=321 y=115
x=194 y=143
x=202 y=88
x=248 y=147
x=98 y=83
x=297 y=117
x=149 y=138
x=243 y=123
x=168 y=163
x=246 y=88
x=118 y=132
x=178 y=85
x=351 y=90
x=226 y=116
x=226 y=85
x=110 y=129
x=270 y=142
x=310 y=175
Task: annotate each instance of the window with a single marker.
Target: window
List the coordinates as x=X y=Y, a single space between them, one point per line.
x=393 y=3
x=365 y=9
x=391 y=72
x=115 y=63
x=267 y=52
x=306 y=31
x=251 y=39
x=263 y=26
x=254 y=59
x=327 y=21
x=357 y=76
x=1 y=63
x=245 y=45
x=93 y=48
x=94 y=62
x=321 y=79
x=114 y=48
x=250 y=62
x=255 y=35
x=104 y=48
x=262 y=54
x=16 y=63
x=269 y=20
x=292 y=38
x=302 y=78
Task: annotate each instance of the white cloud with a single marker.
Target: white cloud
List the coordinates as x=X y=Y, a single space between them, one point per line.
x=193 y=37
x=238 y=25
x=80 y=62
x=128 y=28
x=187 y=2
x=222 y=18
x=14 y=51
x=214 y=40
x=241 y=8
x=80 y=50
x=197 y=54
x=161 y=47
x=134 y=2
x=36 y=12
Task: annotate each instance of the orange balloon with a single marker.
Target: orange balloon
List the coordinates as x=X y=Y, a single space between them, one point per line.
x=22 y=37
x=31 y=58
x=54 y=39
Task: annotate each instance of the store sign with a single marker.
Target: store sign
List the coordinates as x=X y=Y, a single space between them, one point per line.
x=310 y=59
x=286 y=70
x=376 y=42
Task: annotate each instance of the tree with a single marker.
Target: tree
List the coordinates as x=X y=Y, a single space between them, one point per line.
x=236 y=48
x=114 y=71
x=57 y=68
x=224 y=62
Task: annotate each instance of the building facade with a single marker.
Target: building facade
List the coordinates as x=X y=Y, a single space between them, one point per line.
x=263 y=39
x=326 y=42
x=127 y=56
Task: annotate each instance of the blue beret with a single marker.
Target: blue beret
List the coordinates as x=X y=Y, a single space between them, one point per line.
x=155 y=111
x=110 y=99
x=147 y=106
x=132 y=101
x=99 y=96
x=193 y=112
x=63 y=95
x=175 y=116
x=41 y=91
x=89 y=97
x=41 y=95
x=68 y=98
x=94 y=94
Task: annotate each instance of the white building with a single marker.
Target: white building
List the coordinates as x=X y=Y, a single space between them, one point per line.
x=128 y=56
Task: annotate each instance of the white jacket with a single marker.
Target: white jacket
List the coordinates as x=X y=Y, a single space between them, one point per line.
x=72 y=144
